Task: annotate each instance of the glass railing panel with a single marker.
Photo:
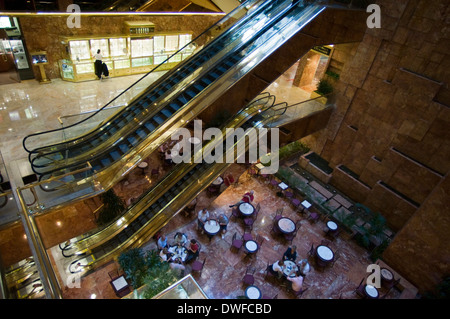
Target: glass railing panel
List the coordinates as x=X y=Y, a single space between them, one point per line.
x=235 y=40
x=238 y=40
x=61 y=190
x=51 y=137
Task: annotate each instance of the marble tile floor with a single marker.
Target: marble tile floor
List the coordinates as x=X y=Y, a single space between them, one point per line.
x=224 y=269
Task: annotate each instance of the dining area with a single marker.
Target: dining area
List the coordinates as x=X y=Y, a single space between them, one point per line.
x=261 y=226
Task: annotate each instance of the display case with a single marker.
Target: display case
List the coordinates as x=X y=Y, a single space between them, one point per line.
x=124 y=55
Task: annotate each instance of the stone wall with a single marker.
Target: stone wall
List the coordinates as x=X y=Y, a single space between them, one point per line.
x=44 y=33
x=391 y=126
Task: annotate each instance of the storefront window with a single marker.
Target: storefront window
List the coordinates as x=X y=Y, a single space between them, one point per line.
x=118 y=47
x=141 y=47
x=79 y=50
x=171 y=43
x=101 y=44
x=159 y=44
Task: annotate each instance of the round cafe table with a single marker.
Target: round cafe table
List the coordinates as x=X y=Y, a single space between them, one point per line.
x=288 y=266
x=371 y=291
x=386 y=275
x=218 y=181
x=251 y=246
x=178 y=252
x=332 y=226
x=246 y=209
x=286 y=225
x=253 y=292
x=211 y=227
x=325 y=253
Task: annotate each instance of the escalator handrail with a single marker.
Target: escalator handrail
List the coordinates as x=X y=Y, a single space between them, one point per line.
x=123 y=92
x=175 y=175
x=98 y=155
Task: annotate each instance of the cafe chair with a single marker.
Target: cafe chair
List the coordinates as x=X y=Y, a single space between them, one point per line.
x=229 y=181
x=197 y=265
x=236 y=243
x=295 y=203
x=299 y=294
x=337 y=255
x=249 y=278
x=155 y=172
x=249 y=221
x=313 y=217
x=290 y=237
x=114 y=274
x=235 y=213
x=360 y=289
x=311 y=251
x=247 y=235
x=278 y=214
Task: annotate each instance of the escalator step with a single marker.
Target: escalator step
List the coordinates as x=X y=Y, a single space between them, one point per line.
x=166 y=112
x=115 y=155
x=158 y=119
x=132 y=140
x=149 y=126
x=105 y=161
x=124 y=148
x=141 y=133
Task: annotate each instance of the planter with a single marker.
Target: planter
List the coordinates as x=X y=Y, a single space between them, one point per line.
x=321 y=99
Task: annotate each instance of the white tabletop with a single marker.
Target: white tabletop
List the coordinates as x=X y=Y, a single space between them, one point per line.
x=332 y=225
x=371 y=291
x=288 y=266
x=178 y=252
x=306 y=204
x=283 y=186
x=286 y=225
x=253 y=292
x=218 y=181
x=386 y=274
x=325 y=253
x=251 y=246
x=212 y=226
x=143 y=165
x=246 y=208
x=120 y=283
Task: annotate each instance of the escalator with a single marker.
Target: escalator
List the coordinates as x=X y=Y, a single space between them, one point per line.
x=173 y=95
x=155 y=208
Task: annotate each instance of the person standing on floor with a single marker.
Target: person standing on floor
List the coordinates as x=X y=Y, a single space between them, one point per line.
x=98 y=64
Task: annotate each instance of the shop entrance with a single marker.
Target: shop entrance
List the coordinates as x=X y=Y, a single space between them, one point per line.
x=8 y=70
x=312 y=67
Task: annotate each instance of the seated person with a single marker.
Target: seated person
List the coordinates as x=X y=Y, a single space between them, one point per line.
x=180 y=239
x=277 y=268
x=223 y=222
x=297 y=281
x=203 y=216
x=190 y=208
x=162 y=242
x=247 y=198
x=290 y=253
x=303 y=267
x=165 y=255
x=193 y=250
x=168 y=157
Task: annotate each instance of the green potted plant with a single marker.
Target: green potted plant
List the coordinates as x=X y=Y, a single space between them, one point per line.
x=323 y=89
x=113 y=206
